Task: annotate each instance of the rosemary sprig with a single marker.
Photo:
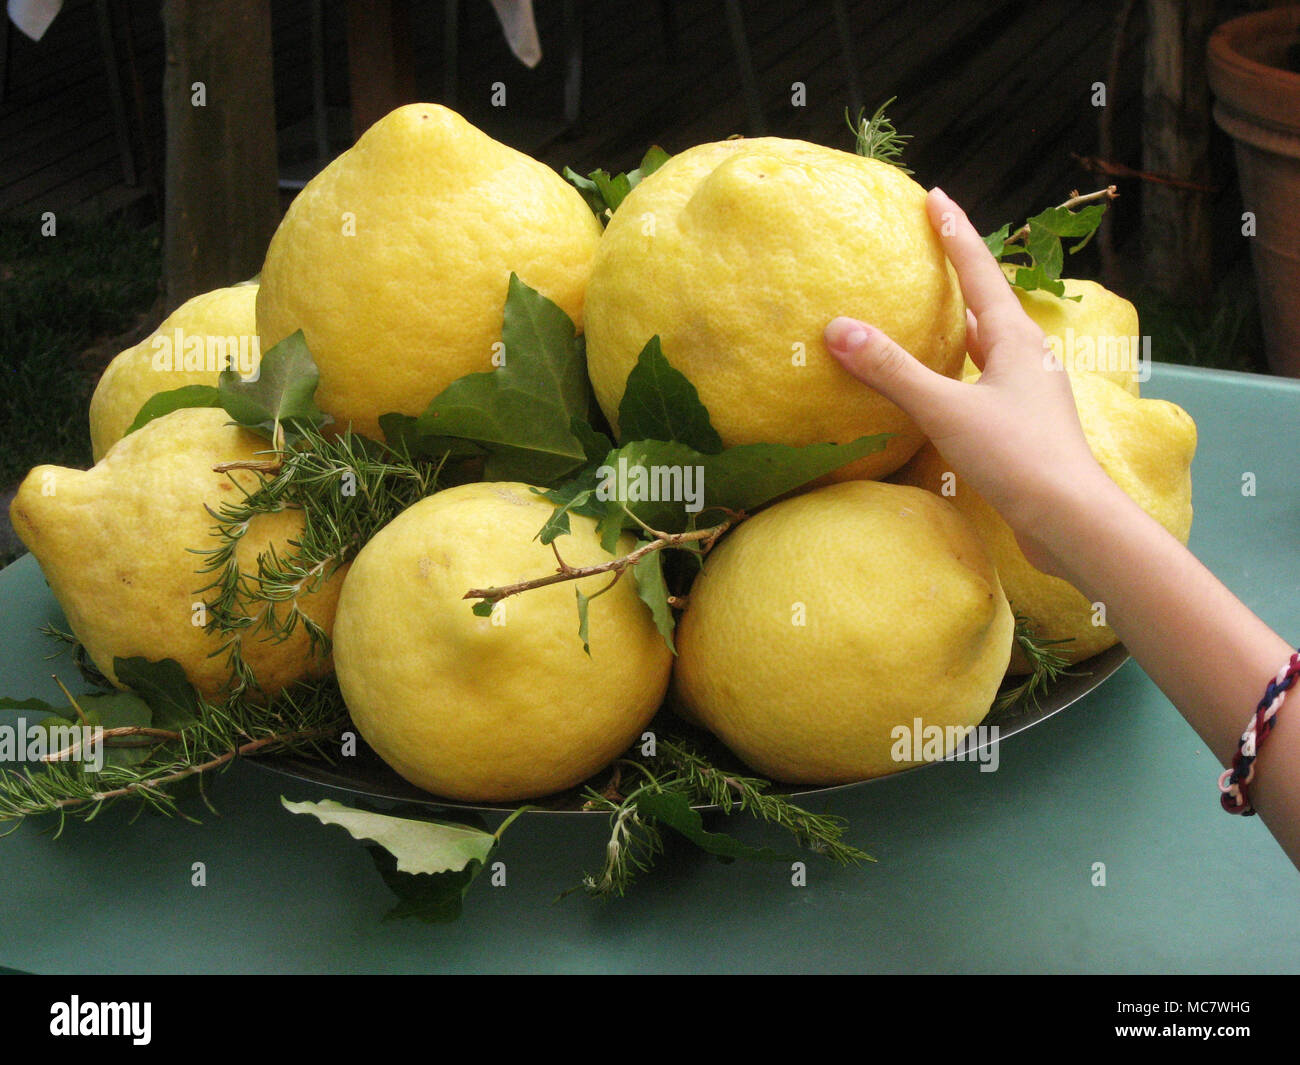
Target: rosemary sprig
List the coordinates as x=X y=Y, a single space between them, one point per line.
x=90 y=672
x=821 y=833
x=635 y=841
x=1045 y=663
x=634 y=844
x=876 y=137
x=300 y=719
x=346 y=488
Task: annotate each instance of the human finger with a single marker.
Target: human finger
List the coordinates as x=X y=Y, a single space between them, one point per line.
x=984 y=286
x=877 y=361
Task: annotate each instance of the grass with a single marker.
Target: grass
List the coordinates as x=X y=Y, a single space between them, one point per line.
x=60 y=296
x=68 y=303
x=1223 y=334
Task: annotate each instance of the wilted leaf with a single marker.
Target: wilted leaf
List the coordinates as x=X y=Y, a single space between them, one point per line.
x=417 y=846
x=583 y=619
x=428 y=865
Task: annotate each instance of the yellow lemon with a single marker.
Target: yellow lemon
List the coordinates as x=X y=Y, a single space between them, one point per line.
x=827 y=622
x=394 y=261
x=116 y=544
x=737 y=254
x=1090 y=329
x=502 y=707
x=203 y=336
x=1145 y=446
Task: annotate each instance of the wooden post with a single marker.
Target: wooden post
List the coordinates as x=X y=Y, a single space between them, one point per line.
x=381 y=66
x=1176 y=223
x=222 y=199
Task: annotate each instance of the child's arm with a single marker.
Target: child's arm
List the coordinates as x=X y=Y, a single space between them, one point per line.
x=1015 y=437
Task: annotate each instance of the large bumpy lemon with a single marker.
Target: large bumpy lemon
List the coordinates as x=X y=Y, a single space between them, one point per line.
x=828 y=622
x=1145 y=446
x=1090 y=329
x=737 y=254
x=206 y=334
x=116 y=544
x=394 y=261
x=502 y=707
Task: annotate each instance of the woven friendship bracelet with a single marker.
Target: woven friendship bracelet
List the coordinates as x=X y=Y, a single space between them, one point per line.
x=1233 y=783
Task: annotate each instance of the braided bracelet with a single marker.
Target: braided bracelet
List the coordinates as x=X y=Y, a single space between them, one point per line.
x=1233 y=782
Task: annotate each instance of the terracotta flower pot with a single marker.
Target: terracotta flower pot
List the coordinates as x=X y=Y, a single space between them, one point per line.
x=1258 y=105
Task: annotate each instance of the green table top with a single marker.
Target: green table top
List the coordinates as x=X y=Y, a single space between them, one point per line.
x=975 y=872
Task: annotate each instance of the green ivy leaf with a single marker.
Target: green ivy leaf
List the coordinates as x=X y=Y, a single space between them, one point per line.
x=660 y=403
x=177 y=399
x=604 y=192
x=1040 y=257
x=654 y=158
x=576 y=495
x=673 y=809
x=595 y=445
x=1032 y=278
x=283 y=393
x=571 y=497
x=522 y=412
x=164 y=687
x=434 y=898
x=996 y=241
x=739 y=478
x=653 y=590
x=402 y=434
x=1080 y=222
x=613 y=189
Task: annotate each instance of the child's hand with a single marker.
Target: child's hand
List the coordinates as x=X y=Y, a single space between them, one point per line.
x=1014 y=435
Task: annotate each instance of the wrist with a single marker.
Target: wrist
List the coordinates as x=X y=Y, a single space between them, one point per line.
x=1069 y=518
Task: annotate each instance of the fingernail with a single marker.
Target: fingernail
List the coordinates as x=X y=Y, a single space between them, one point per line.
x=940 y=192
x=846 y=334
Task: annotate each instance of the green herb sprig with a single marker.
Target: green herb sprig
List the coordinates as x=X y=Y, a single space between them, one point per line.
x=346 y=488
x=876 y=137
x=670 y=785
x=1036 y=249
x=301 y=719
x=1046 y=666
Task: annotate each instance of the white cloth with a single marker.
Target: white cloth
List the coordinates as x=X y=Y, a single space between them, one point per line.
x=33 y=17
x=519 y=26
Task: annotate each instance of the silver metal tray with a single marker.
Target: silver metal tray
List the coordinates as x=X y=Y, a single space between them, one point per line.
x=365 y=775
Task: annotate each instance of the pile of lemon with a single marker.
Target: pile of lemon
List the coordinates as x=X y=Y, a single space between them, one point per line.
x=814 y=629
